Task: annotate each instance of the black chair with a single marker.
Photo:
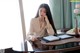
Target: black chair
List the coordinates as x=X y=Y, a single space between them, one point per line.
x=10 y=50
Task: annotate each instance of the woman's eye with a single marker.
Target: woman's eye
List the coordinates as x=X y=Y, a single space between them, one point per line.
x=44 y=11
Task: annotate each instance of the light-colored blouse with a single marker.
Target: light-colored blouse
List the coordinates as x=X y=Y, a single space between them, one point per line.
x=35 y=29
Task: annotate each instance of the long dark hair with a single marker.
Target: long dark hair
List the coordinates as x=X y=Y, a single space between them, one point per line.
x=48 y=13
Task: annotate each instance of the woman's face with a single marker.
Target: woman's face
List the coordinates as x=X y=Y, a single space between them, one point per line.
x=42 y=12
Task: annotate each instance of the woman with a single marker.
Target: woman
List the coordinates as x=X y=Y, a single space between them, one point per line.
x=40 y=26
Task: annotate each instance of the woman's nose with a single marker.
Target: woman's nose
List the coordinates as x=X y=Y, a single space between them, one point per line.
x=42 y=13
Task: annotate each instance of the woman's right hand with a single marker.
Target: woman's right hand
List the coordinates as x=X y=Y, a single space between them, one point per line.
x=33 y=38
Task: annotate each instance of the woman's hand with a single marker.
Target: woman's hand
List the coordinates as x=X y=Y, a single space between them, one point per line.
x=46 y=19
x=33 y=38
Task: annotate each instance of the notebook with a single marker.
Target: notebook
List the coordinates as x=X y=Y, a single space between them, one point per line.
x=51 y=38
x=64 y=36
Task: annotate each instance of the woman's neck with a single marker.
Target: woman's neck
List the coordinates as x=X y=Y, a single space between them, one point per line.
x=41 y=19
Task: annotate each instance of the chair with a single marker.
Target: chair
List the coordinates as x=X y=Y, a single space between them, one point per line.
x=10 y=50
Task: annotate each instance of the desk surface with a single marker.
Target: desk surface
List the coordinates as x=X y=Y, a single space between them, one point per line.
x=58 y=42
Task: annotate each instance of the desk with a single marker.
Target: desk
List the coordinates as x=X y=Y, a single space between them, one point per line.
x=59 y=42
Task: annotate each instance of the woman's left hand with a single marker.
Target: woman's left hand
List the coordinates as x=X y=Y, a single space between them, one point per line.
x=46 y=19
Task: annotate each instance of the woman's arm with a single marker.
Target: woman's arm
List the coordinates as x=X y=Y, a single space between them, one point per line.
x=31 y=35
x=49 y=27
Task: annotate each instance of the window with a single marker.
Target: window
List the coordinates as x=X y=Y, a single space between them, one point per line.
x=10 y=25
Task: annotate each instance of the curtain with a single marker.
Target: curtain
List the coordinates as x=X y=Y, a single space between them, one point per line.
x=61 y=12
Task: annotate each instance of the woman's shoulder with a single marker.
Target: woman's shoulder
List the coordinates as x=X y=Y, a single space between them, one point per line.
x=33 y=19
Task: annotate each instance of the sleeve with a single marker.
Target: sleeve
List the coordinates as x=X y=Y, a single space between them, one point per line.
x=31 y=30
x=49 y=28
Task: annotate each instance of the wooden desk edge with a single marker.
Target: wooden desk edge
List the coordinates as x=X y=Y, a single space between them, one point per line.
x=61 y=50
x=59 y=42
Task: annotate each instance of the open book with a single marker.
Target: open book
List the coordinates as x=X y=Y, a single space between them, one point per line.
x=53 y=38
x=50 y=38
